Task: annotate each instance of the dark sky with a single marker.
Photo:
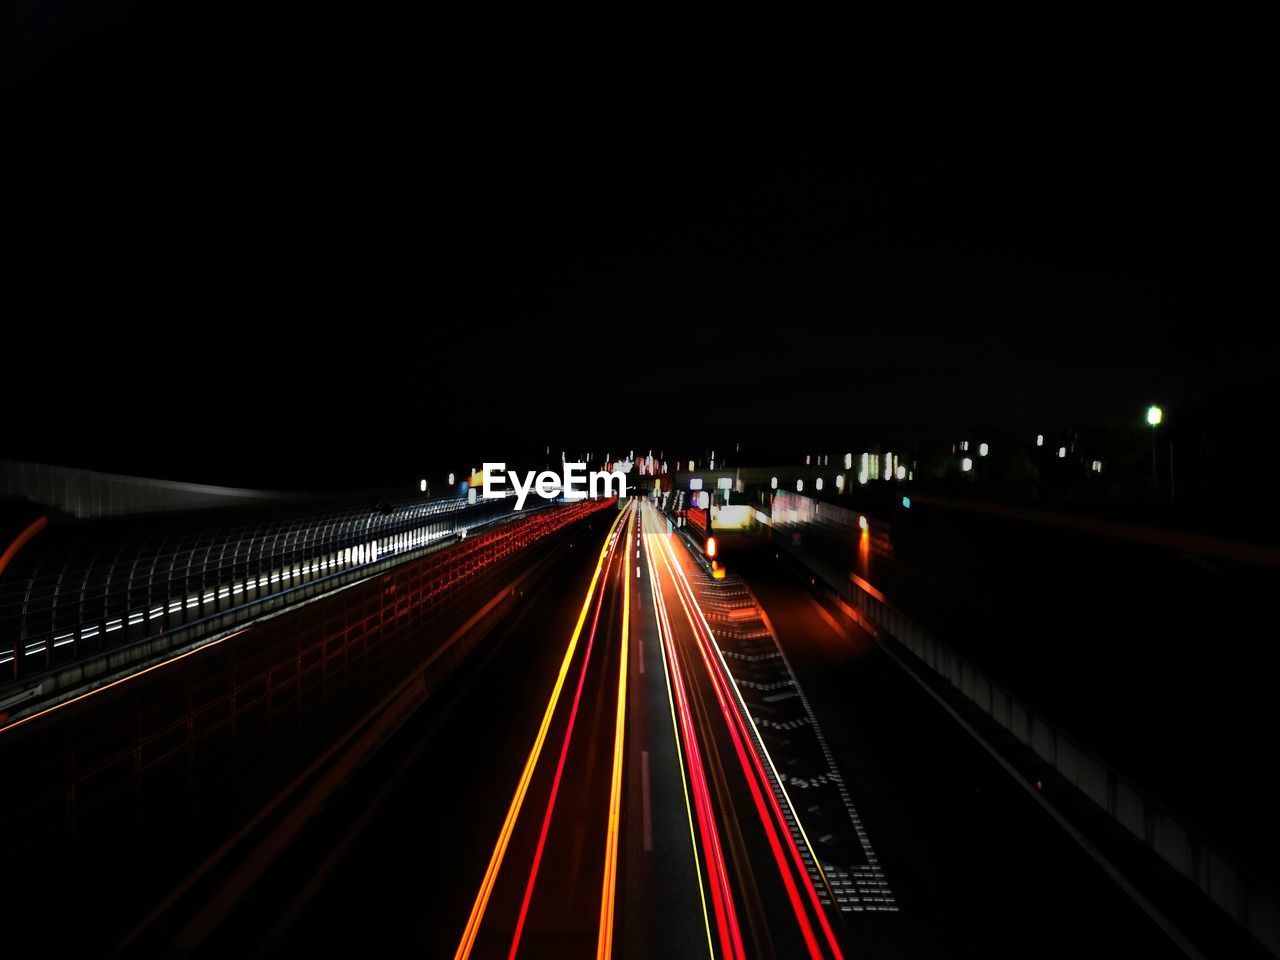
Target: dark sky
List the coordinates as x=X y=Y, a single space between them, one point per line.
x=341 y=239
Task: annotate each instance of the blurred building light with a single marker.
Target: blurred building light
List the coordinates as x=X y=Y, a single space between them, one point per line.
x=983 y=449
x=422 y=486
x=848 y=461
x=773 y=483
x=817 y=484
x=695 y=483
x=691 y=466
x=1039 y=439
x=1062 y=453
x=807 y=459
x=906 y=502
x=901 y=473
x=711 y=546
x=1097 y=466
x=964 y=444
x=840 y=482
x=451 y=479
x=862 y=521
x=725 y=483
x=966 y=464
x=799 y=486
x=1154 y=415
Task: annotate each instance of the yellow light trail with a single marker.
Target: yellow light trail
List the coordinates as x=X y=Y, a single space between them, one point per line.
x=664 y=640
x=513 y=812
x=604 y=945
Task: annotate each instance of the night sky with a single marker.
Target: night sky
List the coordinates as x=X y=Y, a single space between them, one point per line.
x=330 y=243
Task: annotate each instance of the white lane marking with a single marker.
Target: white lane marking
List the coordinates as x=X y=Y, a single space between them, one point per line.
x=644 y=800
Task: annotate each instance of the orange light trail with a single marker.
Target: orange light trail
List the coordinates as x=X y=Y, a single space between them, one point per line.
x=604 y=945
x=513 y=811
x=555 y=785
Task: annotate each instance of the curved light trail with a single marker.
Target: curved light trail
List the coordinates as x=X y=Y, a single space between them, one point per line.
x=472 y=929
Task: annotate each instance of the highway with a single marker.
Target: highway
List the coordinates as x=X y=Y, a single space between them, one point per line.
x=518 y=820
x=538 y=819
x=654 y=756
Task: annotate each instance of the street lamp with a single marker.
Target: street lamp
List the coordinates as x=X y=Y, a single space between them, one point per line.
x=1154 y=417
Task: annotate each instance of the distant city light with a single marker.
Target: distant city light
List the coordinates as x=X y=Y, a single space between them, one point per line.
x=799 y=486
x=1154 y=415
x=1039 y=439
x=966 y=464
x=422 y=486
x=817 y=484
x=862 y=521
x=808 y=458
x=840 y=482
x=983 y=449
x=848 y=461
x=964 y=444
x=695 y=483
x=451 y=479
x=1062 y=453
x=773 y=483
x=906 y=502
x=691 y=466
x=902 y=472
x=1097 y=466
